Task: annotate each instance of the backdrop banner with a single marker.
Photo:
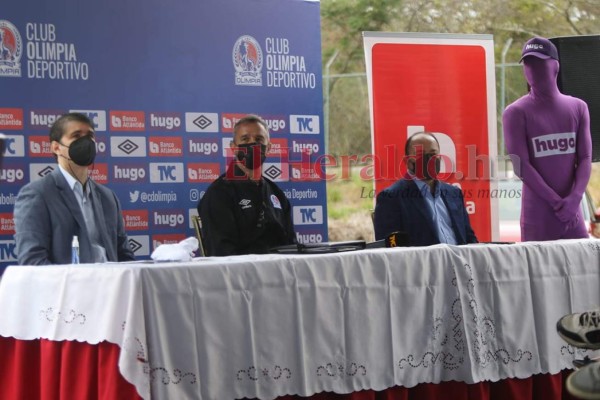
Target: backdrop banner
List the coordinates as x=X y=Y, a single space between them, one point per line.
x=164 y=83
x=445 y=84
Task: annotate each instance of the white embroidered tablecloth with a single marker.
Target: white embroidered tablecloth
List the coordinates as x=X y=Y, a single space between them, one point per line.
x=265 y=326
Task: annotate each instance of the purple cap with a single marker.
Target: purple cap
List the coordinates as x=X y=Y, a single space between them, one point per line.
x=540 y=48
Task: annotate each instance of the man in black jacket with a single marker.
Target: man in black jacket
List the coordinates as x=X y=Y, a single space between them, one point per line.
x=243 y=212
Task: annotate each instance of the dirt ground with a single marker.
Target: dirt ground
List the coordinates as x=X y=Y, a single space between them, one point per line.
x=357 y=226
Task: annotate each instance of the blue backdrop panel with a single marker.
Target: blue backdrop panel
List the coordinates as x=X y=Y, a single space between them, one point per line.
x=164 y=83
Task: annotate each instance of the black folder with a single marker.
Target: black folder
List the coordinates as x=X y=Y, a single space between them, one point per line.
x=320 y=248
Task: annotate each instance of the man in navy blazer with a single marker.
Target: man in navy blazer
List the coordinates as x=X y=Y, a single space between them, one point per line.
x=50 y=211
x=427 y=210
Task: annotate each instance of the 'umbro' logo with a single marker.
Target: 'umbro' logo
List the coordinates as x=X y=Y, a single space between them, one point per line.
x=245 y=203
x=128 y=146
x=202 y=122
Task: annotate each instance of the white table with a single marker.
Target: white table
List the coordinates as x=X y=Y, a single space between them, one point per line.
x=265 y=326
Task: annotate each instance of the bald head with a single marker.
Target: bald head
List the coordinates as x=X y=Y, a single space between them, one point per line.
x=420 y=149
x=424 y=142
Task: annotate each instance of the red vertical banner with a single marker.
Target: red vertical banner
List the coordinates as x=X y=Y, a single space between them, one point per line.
x=442 y=84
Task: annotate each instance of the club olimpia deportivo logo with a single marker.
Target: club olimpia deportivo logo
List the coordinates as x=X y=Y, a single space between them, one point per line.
x=248 y=61
x=11 y=48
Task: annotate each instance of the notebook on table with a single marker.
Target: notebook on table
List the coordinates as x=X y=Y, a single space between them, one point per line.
x=319 y=248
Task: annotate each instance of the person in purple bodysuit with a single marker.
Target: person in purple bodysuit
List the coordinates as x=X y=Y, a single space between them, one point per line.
x=547 y=135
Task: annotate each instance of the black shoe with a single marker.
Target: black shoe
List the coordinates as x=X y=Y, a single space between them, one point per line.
x=581 y=329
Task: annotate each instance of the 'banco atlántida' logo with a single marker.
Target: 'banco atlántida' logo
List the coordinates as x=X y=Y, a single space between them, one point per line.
x=11 y=48
x=248 y=61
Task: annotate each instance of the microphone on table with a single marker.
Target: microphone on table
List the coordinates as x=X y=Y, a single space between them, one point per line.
x=394 y=239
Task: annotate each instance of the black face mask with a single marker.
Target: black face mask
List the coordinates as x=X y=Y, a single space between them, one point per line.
x=425 y=168
x=252 y=154
x=82 y=151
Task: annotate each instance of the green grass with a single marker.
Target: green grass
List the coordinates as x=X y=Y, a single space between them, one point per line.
x=349 y=205
x=348 y=196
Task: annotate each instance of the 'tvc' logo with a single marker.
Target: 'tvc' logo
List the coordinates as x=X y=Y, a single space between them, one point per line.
x=166 y=172
x=305 y=124
x=308 y=215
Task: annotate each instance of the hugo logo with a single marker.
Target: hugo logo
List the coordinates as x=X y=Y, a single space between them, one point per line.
x=554 y=144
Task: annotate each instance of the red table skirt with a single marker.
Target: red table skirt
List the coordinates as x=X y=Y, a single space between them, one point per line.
x=47 y=370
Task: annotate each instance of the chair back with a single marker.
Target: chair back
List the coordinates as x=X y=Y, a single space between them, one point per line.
x=197 y=222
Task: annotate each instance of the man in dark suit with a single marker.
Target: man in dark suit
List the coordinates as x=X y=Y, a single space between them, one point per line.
x=49 y=212
x=427 y=210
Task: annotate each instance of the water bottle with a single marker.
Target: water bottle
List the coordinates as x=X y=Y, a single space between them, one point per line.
x=75 y=251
